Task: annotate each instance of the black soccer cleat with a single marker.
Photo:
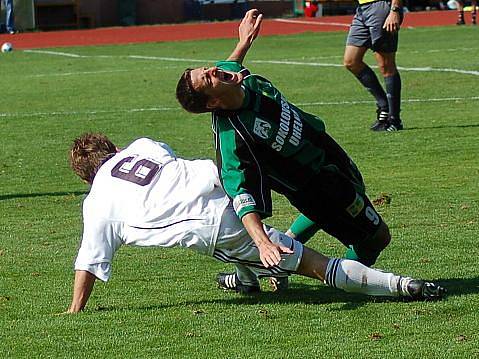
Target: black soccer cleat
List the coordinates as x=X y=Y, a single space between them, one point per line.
x=381 y=121
x=230 y=281
x=394 y=125
x=421 y=290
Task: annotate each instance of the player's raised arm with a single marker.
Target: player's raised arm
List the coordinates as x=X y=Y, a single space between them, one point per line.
x=82 y=288
x=248 y=30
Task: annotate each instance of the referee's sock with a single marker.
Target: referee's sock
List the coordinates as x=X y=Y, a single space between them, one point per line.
x=393 y=91
x=369 y=80
x=354 y=277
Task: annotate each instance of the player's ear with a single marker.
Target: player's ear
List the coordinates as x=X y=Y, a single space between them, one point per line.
x=213 y=103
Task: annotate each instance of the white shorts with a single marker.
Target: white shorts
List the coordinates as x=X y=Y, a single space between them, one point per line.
x=234 y=245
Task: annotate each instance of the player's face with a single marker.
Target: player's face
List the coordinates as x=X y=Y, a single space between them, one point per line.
x=213 y=81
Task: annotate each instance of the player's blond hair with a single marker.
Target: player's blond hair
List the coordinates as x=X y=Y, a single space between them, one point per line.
x=87 y=154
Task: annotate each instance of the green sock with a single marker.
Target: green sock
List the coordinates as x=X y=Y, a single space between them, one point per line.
x=368 y=258
x=304 y=228
x=351 y=254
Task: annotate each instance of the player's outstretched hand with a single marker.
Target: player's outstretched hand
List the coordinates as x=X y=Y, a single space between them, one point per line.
x=270 y=253
x=250 y=26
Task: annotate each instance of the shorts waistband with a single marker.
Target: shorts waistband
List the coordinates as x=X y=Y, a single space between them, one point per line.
x=365 y=2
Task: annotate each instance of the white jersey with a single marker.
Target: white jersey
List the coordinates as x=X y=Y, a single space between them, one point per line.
x=146 y=196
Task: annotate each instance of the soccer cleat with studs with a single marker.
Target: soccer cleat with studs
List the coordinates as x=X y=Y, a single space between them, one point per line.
x=388 y=125
x=230 y=281
x=381 y=121
x=394 y=125
x=278 y=284
x=417 y=289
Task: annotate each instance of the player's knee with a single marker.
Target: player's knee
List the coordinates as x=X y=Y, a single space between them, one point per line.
x=387 y=68
x=351 y=64
x=369 y=250
x=382 y=237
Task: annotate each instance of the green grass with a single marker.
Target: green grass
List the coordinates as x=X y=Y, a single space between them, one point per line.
x=164 y=303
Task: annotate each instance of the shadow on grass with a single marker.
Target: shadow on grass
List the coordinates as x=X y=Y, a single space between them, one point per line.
x=45 y=194
x=440 y=127
x=459 y=286
x=308 y=295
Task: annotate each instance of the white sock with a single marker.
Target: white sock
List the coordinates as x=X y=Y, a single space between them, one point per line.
x=354 y=277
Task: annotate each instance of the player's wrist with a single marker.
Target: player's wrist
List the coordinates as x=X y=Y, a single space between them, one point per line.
x=396 y=9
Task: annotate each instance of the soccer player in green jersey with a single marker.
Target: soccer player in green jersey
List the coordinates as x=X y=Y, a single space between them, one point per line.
x=265 y=143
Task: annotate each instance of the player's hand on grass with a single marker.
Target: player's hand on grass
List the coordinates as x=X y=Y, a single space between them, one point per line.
x=270 y=253
x=250 y=26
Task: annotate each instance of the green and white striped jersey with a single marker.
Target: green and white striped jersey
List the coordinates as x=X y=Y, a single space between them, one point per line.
x=268 y=144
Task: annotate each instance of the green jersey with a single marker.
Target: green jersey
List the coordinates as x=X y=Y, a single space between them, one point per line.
x=267 y=144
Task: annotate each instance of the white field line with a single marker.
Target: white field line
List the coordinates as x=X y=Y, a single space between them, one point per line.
x=342 y=24
x=55 y=53
x=412 y=100
x=461 y=49
x=163 y=109
x=139 y=57
x=321 y=23
x=87 y=112
x=79 y=73
x=319 y=64
x=276 y=62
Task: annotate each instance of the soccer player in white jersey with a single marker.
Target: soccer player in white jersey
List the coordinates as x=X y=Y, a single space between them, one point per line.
x=167 y=201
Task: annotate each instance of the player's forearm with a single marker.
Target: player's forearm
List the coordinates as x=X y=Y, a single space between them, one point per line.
x=240 y=51
x=82 y=289
x=248 y=30
x=253 y=224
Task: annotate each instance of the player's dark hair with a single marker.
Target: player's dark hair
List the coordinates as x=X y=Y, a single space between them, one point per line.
x=87 y=154
x=190 y=99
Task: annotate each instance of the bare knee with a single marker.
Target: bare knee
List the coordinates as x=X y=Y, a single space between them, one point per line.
x=388 y=71
x=353 y=65
x=386 y=64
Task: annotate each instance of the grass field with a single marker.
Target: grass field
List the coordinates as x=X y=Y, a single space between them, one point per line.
x=164 y=303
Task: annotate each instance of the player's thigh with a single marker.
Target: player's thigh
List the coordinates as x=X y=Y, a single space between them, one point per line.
x=336 y=156
x=375 y=15
x=358 y=35
x=334 y=202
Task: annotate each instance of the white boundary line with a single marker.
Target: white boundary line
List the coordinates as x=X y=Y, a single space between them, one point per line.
x=412 y=100
x=162 y=109
x=313 y=22
x=319 y=64
x=277 y=62
x=55 y=53
x=91 y=112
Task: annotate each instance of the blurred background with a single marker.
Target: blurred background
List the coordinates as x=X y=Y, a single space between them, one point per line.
x=76 y=14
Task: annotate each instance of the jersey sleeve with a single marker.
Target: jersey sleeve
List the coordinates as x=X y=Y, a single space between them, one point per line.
x=229 y=66
x=99 y=243
x=240 y=172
